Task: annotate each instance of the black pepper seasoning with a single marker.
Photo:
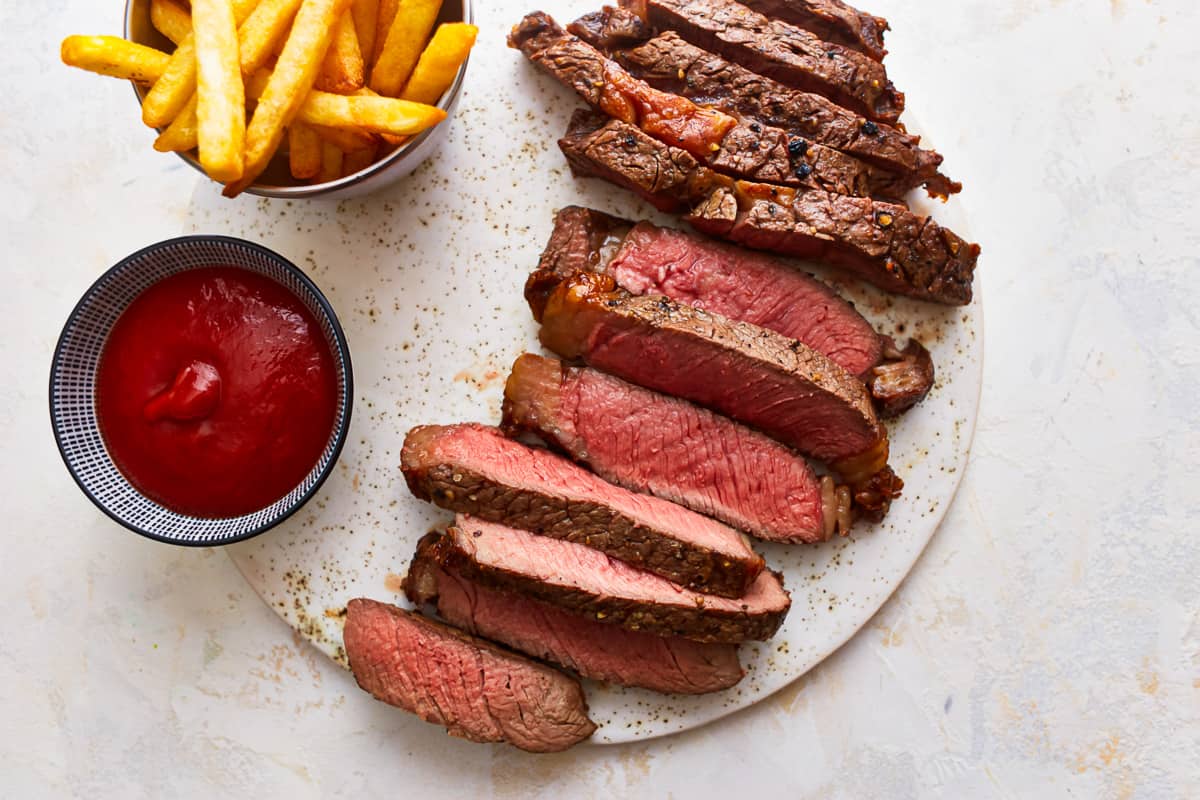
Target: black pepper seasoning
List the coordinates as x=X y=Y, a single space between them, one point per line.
x=797 y=147
x=870 y=128
x=803 y=171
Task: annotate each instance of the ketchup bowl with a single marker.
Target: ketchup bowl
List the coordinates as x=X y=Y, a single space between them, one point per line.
x=162 y=432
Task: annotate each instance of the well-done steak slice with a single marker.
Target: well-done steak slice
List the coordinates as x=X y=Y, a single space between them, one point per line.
x=739 y=284
x=775 y=384
x=669 y=448
x=672 y=64
x=882 y=243
x=476 y=470
x=592 y=649
x=472 y=687
x=587 y=582
x=832 y=20
x=752 y=151
x=778 y=50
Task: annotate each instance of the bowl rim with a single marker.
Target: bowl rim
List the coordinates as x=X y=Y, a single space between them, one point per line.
x=304 y=191
x=342 y=353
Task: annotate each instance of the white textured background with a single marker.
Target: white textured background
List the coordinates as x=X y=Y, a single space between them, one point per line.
x=1047 y=644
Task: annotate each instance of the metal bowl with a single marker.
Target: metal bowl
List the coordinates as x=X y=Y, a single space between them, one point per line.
x=73 y=388
x=276 y=181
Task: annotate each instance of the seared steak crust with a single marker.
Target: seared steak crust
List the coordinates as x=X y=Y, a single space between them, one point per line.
x=475 y=689
x=778 y=50
x=475 y=470
x=752 y=151
x=832 y=20
x=882 y=243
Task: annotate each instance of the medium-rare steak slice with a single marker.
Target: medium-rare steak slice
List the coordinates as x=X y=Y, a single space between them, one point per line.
x=669 y=448
x=476 y=470
x=882 y=243
x=672 y=64
x=592 y=649
x=775 y=384
x=587 y=582
x=832 y=20
x=740 y=284
x=472 y=687
x=778 y=50
x=750 y=151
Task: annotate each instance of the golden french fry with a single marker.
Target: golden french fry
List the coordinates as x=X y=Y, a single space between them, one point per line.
x=304 y=151
x=263 y=30
x=331 y=163
x=389 y=138
x=357 y=160
x=170 y=19
x=117 y=58
x=181 y=135
x=435 y=71
x=376 y=114
x=387 y=15
x=289 y=84
x=405 y=40
x=342 y=69
x=347 y=140
x=220 y=92
x=171 y=91
x=366 y=24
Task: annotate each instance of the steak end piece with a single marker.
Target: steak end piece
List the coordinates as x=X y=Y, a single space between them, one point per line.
x=609 y=653
x=585 y=582
x=832 y=20
x=882 y=243
x=471 y=687
x=667 y=447
x=902 y=378
x=474 y=469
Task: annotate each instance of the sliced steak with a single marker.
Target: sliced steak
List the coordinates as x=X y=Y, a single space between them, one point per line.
x=773 y=48
x=832 y=20
x=740 y=284
x=669 y=448
x=672 y=64
x=474 y=688
x=778 y=385
x=586 y=582
x=476 y=470
x=750 y=151
x=882 y=243
x=592 y=649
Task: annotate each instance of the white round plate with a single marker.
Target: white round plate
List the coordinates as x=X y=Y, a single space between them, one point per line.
x=427 y=277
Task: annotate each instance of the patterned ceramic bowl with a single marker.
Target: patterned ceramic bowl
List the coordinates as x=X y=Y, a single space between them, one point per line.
x=277 y=181
x=73 y=388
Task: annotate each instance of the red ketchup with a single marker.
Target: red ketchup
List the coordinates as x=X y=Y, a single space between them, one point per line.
x=216 y=392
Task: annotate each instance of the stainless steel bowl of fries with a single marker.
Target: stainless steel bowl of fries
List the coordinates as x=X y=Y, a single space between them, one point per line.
x=291 y=98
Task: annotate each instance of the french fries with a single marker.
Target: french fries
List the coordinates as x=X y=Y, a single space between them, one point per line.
x=291 y=81
x=304 y=151
x=405 y=40
x=366 y=25
x=117 y=58
x=170 y=19
x=271 y=61
x=435 y=71
x=342 y=70
x=220 y=92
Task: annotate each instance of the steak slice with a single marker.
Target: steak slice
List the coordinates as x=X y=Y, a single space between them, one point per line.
x=587 y=582
x=832 y=20
x=592 y=649
x=672 y=64
x=778 y=385
x=671 y=449
x=788 y=54
x=882 y=243
x=474 y=688
x=718 y=140
x=474 y=469
x=740 y=284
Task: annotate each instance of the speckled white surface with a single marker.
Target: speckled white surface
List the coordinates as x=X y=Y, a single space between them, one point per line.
x=1046 y=645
